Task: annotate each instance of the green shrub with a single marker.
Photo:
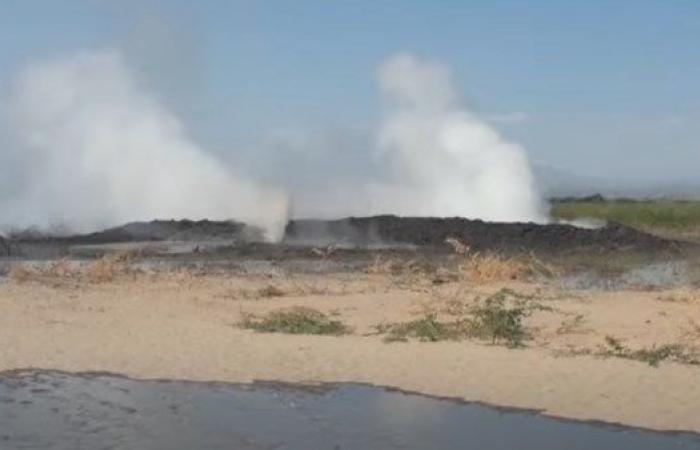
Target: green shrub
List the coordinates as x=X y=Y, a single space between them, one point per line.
x=296 y=320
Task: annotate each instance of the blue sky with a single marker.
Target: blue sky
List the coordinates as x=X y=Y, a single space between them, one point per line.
x=598 y=88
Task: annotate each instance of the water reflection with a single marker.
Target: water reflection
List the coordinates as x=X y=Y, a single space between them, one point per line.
x=59 y=411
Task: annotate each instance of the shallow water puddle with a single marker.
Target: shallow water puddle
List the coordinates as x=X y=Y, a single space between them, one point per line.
x=48 y=410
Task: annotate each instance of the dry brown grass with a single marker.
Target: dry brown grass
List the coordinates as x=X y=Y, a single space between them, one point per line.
x=409 y=274
x=688 y=296
x=20 y=273
x=288 y=287
x=271 y=290
x=62 y=268
x=109 y=267
x=103 y=270
x=488 y=268
x=383 y=266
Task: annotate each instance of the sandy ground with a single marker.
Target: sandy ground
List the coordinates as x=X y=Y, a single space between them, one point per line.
x=185 y=327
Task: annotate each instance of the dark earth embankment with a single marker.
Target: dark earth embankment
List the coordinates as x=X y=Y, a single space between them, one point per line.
x=479 y=235
x=427 y=233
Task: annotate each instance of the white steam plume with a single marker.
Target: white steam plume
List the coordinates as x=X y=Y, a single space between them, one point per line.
x=86 y=147
x=442 y=159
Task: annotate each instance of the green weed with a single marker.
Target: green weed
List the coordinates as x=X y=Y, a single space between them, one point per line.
x=296 y=320
x=652 y=356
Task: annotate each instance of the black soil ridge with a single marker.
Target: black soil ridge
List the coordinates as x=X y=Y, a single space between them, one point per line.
x=477 y=234
x=385 y=230
x=156 y=230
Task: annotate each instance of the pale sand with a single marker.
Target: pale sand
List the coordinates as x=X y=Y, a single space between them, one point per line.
x=183 y=327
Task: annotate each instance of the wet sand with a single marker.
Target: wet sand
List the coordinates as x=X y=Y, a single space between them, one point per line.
x=181 y=326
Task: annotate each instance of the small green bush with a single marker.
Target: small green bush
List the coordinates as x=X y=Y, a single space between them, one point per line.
x=494 y=320
x=296 y=320
x=426 y=329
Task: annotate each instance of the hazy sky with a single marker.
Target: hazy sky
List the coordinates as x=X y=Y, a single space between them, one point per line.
x=607 y=88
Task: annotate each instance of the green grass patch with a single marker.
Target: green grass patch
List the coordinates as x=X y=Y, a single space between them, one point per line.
x=296 y=320
x=671 y=215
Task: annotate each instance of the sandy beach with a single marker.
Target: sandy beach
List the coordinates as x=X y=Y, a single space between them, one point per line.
x=180 y=325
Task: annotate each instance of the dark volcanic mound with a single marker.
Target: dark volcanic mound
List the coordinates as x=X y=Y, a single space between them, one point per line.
x=479 y=235
x=4 y=247
x=429 y=233
x=160 y=230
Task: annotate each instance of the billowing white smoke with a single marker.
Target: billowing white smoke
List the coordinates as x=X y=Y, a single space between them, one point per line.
x=444 y=161
x=86 y=147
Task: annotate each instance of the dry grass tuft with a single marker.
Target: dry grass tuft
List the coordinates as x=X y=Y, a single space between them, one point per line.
x=20 y=273
x=58 y=272
x=678 y=297
x=103 y=270
x=108 y=267
x=62 y=268
x=383 y=266
x=489 y=268
x=410 y=274
x=271 y=291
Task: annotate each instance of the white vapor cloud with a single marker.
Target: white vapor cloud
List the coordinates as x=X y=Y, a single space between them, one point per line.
x=441 y=159
x=86 y=146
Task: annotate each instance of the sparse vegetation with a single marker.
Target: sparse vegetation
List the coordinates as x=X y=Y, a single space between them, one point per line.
x=489 y=267
x=677 y=298
x=102 y=270
x=572 y=325
x=20 y=273
x=498 y=319
x=426 y=329
x=270 y=290
x=108 y=267
x=289 y=287
x=653 y=356
x=296 y=320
